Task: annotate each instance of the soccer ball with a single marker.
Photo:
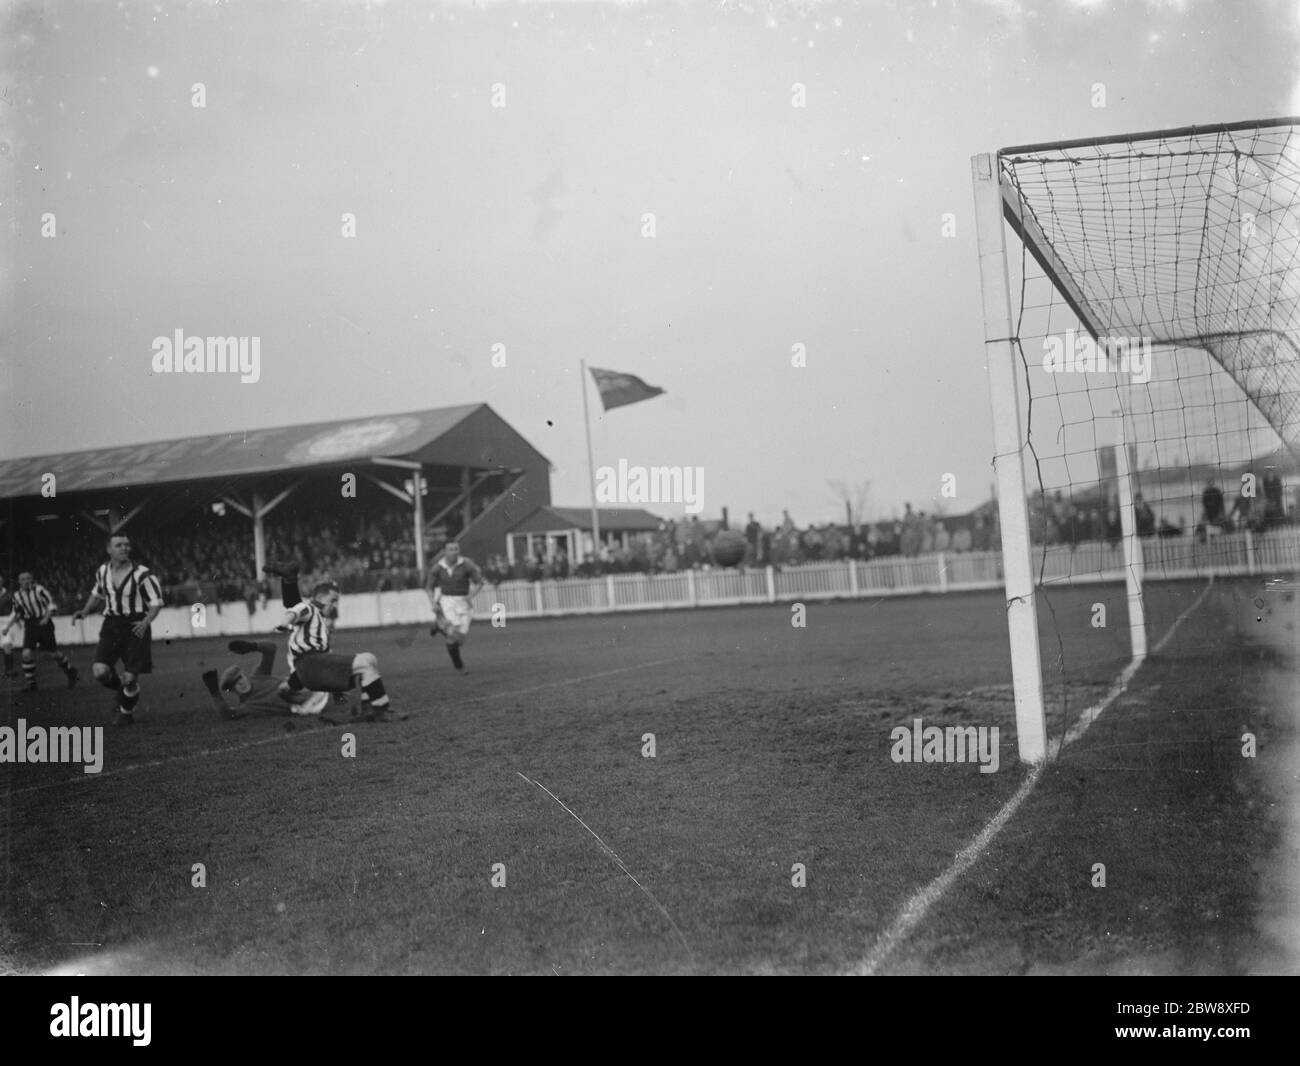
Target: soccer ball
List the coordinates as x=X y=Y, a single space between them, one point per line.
x=729 y=547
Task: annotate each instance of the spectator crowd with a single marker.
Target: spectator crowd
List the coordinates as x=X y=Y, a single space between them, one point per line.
x=210 y=557
x=692 y=544
x=1259 y=507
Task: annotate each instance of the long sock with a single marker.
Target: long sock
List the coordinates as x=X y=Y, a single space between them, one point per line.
x=454 y=651
x=111 y=680
x=295 y=682
x=63 y=662
x=375 y=691
x=210 y=683
x=129 y=698
x=9 y=662
x=29 y=671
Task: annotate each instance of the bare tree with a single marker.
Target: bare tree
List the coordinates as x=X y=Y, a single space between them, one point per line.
x=855 y=497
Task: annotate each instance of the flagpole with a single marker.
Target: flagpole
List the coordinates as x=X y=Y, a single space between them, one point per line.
x=591 y=467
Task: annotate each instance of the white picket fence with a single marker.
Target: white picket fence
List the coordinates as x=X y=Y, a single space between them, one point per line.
x=1173 y=558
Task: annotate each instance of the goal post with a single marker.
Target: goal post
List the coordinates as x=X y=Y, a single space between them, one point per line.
x=1009 y=463
x=1133 y=569
x=1142 y=341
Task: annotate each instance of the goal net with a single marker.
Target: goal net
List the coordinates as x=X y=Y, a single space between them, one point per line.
x=1142 y=325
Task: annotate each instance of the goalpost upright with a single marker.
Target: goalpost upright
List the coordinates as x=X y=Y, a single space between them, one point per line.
x=1009 y=463
x=1116 y=439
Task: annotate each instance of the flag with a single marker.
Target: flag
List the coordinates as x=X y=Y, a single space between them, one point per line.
x=619 y=390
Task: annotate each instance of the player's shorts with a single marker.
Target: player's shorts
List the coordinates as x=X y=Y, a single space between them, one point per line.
x=8 y=641
x=458 y=612
x=323 y=671
x=116 y=641
x=37 y=637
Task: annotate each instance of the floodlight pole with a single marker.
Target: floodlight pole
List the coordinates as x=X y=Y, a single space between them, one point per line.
x=1008 y=462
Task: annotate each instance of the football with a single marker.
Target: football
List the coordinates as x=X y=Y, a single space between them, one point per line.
x=729 y=547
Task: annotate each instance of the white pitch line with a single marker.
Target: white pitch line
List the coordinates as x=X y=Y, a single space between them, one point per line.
x=918 y=906
x=315 y=730
x=621 y=864
x=1179 y=620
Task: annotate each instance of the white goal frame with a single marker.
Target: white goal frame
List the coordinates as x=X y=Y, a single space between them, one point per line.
x=999 y=203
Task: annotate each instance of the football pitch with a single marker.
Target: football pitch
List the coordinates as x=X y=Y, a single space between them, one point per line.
x=710 y=791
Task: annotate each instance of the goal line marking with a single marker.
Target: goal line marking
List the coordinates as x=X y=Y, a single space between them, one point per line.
x=918 y=906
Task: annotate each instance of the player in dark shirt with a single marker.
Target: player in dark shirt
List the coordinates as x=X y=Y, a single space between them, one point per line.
x=452 y=584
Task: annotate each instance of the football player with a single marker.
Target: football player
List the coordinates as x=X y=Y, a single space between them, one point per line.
x=132 y=597
x=312 y=665
x=6 y=624
x=35 y=607
x=453 y=583
x=260 y=691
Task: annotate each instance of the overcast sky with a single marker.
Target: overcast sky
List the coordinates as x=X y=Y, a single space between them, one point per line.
x=522 y=225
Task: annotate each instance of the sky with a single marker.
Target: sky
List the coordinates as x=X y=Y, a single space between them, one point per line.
x=498 y=162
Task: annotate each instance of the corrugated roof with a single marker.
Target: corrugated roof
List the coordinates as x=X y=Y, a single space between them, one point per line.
x=232 y=455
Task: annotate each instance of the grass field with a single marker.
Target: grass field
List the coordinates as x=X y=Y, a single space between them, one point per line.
x=772 y=748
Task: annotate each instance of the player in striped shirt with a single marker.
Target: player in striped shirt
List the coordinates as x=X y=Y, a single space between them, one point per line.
x=132 y=599
x=7 y=621
x=452 y=585
x=312 y=665
x=35 y=608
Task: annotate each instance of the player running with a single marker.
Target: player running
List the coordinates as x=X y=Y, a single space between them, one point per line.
x=453 y=583
x=35 y=607
x=259 y=691
x=132 y=599
x=311 y=664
